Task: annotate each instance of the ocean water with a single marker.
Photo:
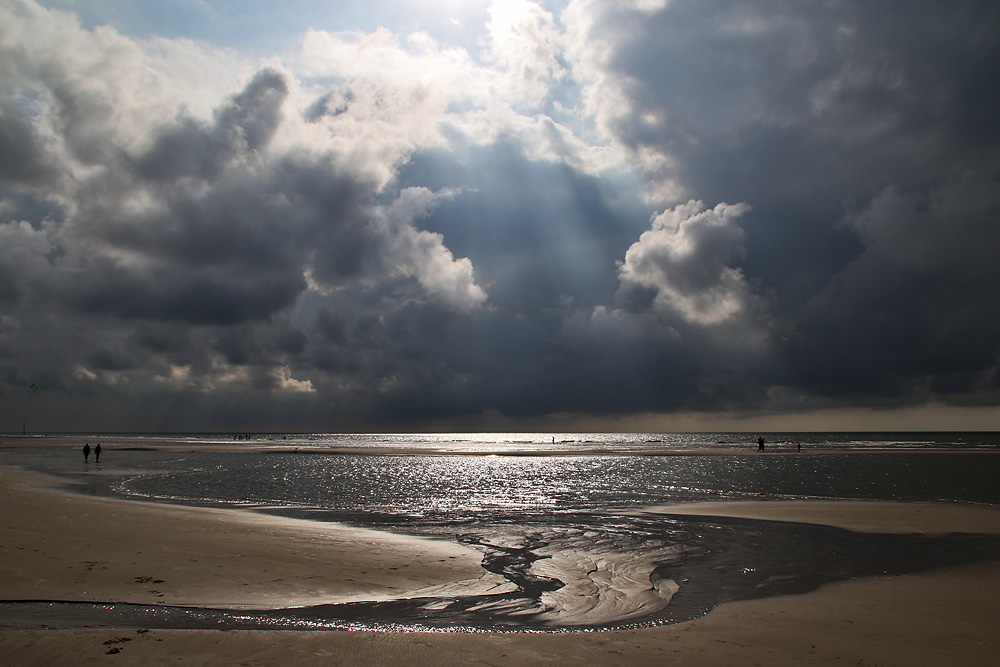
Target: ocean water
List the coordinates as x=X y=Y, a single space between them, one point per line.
x=561 y=516
x=468 y=473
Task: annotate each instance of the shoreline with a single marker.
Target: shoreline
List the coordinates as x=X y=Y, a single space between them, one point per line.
x=541 y=450
x=61 y=545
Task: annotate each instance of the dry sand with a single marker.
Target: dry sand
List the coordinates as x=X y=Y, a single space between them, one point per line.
x=58 y=545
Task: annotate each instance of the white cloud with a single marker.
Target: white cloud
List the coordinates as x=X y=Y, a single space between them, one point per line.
x=98 y=91
x=285 y=382
x=527 y=43
x=596 y=31
x=686 y=259
x=423 y=255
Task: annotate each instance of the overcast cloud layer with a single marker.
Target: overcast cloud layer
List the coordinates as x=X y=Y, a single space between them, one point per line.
x=506 y=215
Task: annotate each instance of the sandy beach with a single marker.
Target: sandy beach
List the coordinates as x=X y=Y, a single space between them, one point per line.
x=62 y=546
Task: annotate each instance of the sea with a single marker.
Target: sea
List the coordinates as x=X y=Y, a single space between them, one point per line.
x=566 y=518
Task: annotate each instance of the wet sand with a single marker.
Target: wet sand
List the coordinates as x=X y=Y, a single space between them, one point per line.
x=71 y=547
x=59 y=545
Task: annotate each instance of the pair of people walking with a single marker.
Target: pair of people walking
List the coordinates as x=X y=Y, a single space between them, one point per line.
x=97 y=452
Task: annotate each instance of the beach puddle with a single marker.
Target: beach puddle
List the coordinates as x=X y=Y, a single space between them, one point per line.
x=579 y=571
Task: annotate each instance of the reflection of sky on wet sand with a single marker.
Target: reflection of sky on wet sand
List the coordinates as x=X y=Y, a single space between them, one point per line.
x=581 y=571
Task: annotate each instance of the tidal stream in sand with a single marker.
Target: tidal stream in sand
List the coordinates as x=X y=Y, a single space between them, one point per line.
x=568 y=533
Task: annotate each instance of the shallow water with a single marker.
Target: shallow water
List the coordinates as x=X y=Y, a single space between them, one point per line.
x=454 y=486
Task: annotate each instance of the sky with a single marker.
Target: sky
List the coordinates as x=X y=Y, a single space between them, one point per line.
x=413 y=215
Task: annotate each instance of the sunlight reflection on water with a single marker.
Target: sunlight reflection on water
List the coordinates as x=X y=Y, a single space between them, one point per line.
x=470 y=484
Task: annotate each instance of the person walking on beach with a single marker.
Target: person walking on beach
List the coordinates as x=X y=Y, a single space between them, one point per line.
x=86 y=452
x=760 y=443
x=97 y=453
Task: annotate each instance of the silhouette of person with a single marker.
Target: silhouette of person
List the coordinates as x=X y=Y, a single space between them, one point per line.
x=97 y=453
x=760 y=443
x=86 y=452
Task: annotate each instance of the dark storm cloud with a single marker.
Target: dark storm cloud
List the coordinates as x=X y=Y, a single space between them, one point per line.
x=917 y=312
x=797 y=109
x=243 y=124
x=200 y=299
x=231 y=233
x=23 y=158
x=862 y=134
x=213 y=243
x=183 y=250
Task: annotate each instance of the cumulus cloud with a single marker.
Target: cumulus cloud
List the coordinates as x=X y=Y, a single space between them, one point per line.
x=686 y=260
x=210 y=220
x=423 y=254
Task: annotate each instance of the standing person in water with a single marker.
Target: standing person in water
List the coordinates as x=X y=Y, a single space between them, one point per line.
x=86 y=452
x=97 y=453
x=760 y=443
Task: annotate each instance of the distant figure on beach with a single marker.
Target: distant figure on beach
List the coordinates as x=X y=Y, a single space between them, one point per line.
x=798 y=446
x=760 y=443
x=97 y=453
x=86 y=452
